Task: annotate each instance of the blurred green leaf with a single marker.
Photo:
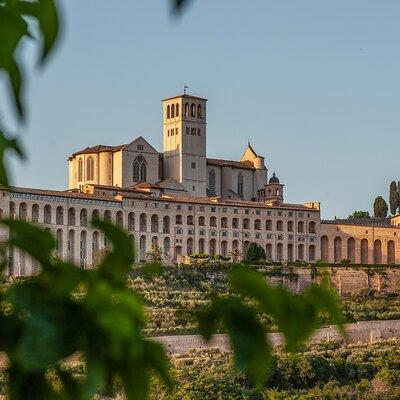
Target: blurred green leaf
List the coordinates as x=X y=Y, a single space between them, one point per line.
x=7 y=146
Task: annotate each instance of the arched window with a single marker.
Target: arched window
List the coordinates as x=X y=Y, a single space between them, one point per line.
x=173 y=111
x=240 y=184
x=89 y=169
x=139 y=169
x=177 y=110
x=80 y=169
x=168 y=111
x=211 y=181
x=193 y=110
x=186 y=109
x=199 y=111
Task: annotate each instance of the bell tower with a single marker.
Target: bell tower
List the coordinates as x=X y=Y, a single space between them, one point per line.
x=184 y=132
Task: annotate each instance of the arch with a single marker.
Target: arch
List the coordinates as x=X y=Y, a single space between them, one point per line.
x=224 y=222
x=201 y=246
x=95 y=215
x=213 y=221
x=178 y=219
x=139 y=169
x=166 y=245
x=213 y=247
x=235 y=223
x=311 y=253
x=235 y=244
x=154 y=241
x=268 y=225
x=300 y=252
x=59 y=243
x=224 y=248
x=300 y=226
x=246 y=223
x=279 y=225
x=268 y=251
x=189 y=246
x=11 y=210
x=23 y=212
x=166 y=224
x=89 y=168
x=211 y=181
x=246 y=245
x=83 y=249
x=337 y=250
x=290 y=252
x=240 y=184
x=290 y=226
x=325 y=248
x=279 y=252
x=351 y=250
x=202 y=220
x=364 y=251
x=119 y=219
x=177 y=109
x=193 y=110
x=47 y=214
x=178 y=252
x=199 y=111
x=95 y=243
x=35 y=213
x=71 y=216
x=257 y=224
x=377 y=252
x=59 y=215
x=168 y=111
x=83 y=220
x=186 y=109
x=107 y=215
x=143 y=222
x=142 y=248
x=80 y=170
x=172 y=110
x=190 y=220
x=391 y=252
x=312 y=227
x=154 y=223
x=71 y=244
x=131 y=221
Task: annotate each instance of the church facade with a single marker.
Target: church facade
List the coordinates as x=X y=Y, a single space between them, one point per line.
x=187 y=203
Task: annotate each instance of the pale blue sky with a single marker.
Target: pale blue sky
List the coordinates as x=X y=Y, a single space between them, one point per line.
x=313 y=84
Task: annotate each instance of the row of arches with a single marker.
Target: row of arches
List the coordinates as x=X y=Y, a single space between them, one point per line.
x=190 y=110
x=368 y=252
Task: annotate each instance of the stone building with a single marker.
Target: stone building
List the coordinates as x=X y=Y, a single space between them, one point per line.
x=187 y=203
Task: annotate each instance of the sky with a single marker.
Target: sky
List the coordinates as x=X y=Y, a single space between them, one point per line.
x=314 y=86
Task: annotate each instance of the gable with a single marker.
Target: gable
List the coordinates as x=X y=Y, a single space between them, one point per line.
x=140 y=145
x=248 y=154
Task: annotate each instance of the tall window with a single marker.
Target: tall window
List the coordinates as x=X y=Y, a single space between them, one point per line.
x=240 y=184
x=177 y=110
x=199 y=111
x=80 y=169
x=173 y=111
x=168 y=111
x=139 y=169
x=186 y=109
x=193 y=110
x=90 y=169
x=211 y=181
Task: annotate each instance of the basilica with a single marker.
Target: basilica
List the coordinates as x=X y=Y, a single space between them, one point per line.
x=188 y=203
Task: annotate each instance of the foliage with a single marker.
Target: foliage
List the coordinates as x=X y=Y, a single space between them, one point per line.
x=235 y=254
x=255 y=252
x=380 y=207
x=394 y=198
x=155 y=255
x=359 y=214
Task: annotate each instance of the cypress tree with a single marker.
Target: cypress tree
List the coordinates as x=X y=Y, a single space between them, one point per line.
x=380 y=207
x=393 y=198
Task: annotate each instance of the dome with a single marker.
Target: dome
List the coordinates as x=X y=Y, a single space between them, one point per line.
x=273 y=179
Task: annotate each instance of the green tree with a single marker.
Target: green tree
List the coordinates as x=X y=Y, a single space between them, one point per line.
x=359 y=214
x=380 y=208
x=255 y=252
x=155 y=254
x=394 y=198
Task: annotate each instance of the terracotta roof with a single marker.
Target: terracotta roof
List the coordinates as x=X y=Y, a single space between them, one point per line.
x=230 y=163
x=99 y=149
x=381 y=222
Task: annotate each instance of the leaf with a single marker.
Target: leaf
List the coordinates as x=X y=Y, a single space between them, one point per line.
x=7 y=145
x=35 y=241
x=179 y=5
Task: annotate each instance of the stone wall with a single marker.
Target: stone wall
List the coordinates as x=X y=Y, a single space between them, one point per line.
x=360 y=332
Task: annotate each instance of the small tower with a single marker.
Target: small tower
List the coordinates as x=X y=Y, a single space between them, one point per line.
x=184 y=131
x=274 y=191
